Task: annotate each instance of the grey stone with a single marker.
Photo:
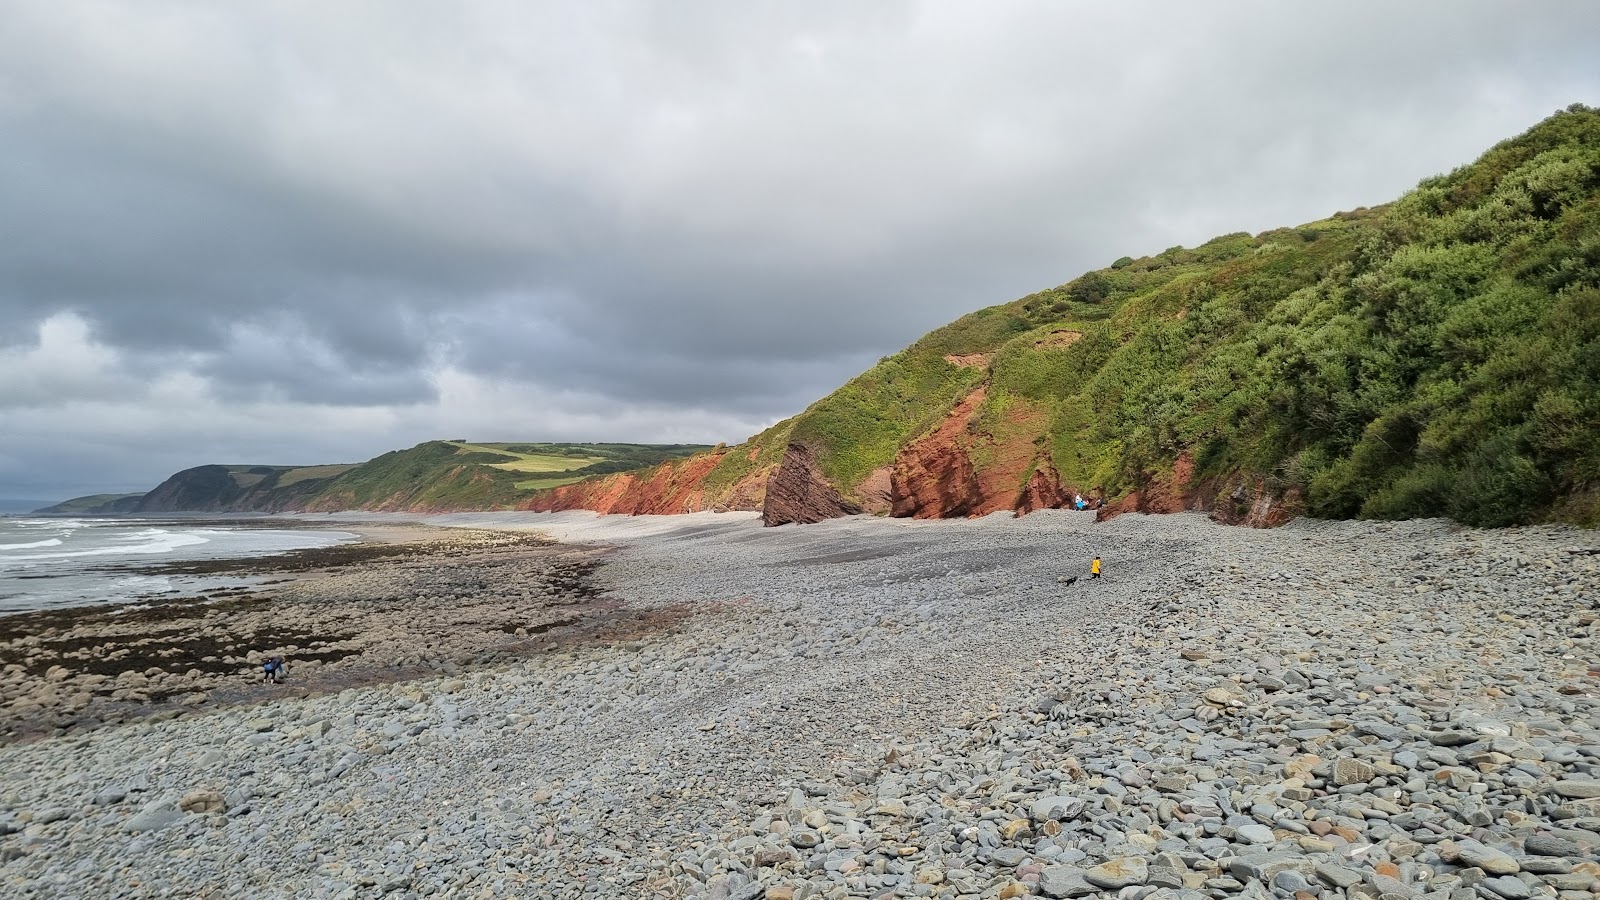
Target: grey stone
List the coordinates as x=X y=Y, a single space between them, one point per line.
x=155 y=816
x=1508 y=887
x=1291 y=881
x=1255 y=833
x=1010 y=857
x=1576 y=789
x=1065 y=881
x=1338 y=876
x=1542 y=844
x=1057 y=807
x=1490 y=860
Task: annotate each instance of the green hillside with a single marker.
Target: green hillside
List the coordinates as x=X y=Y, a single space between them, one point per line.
x=434 y=475
x=93 y=504
x=1439 y=355
x=472 y=475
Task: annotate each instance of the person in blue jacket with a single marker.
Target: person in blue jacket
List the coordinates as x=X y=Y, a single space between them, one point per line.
x=273 y=670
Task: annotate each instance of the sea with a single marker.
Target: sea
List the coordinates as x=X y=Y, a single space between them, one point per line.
x=49 y=563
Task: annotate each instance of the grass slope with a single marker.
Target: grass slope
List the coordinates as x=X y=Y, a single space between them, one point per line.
x=1436 y=356
x=480 y=475
x=93 y=504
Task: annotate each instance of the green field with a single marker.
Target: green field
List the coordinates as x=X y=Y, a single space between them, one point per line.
x=542 y=463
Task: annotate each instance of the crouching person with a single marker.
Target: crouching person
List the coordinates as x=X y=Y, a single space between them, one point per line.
x=273 y=670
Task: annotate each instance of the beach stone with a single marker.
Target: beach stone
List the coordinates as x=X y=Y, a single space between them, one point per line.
x=156 y=815
x=203 y=800
x=1118 y=873
x=1290 y=881
x=1504 y=887
x=1575 y=789
x=109 y=795
x=1065 y=881
x=1495 y=862
x=1348 y=771
x=1011 y=857
x=1255 y=833
x=1544 y=844
x=1057 y=807
x=1338 y=876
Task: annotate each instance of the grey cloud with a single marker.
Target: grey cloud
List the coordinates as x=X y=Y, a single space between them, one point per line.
x=722 y=209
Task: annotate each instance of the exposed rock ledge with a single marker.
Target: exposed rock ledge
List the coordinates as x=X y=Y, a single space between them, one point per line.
x=798 y=492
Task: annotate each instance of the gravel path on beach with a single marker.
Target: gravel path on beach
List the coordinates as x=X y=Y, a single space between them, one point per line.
x=866 y=708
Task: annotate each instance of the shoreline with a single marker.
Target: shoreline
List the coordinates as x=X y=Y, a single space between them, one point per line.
x=403 y=601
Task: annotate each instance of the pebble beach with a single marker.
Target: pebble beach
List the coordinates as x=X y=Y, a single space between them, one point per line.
x=873 y=708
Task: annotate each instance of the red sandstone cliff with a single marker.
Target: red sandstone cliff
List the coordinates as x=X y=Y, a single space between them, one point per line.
x=672 y=487
x=935 y=476
x=1241 y=499
x=963 y=466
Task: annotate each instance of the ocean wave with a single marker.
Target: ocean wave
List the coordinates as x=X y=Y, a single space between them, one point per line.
x=157 y=541
x=52 y=542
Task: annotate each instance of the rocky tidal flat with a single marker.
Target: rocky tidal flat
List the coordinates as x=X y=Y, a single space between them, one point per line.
x=404 y=602
x=892 y=708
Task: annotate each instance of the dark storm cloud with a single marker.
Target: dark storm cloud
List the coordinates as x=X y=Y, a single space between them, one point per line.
x=355 y=226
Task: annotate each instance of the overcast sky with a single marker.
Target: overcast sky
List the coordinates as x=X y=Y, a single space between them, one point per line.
x=311 y=232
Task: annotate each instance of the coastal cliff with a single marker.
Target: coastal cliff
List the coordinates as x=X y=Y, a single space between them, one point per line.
x=1431 y=357
x=1435 y=356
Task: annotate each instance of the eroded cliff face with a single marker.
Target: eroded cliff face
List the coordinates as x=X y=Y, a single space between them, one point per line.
x=964 y=466
x=936 y=476
x=933 y=476
x=798 y=492
x=667 y=489
x=1240 y=499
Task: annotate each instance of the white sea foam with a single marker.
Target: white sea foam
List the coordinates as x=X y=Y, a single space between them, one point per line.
x=52 y=542
x=152 y=540
x=48 y=563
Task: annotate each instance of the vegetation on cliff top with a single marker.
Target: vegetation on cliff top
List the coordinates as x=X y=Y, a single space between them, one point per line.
x=1436 y=356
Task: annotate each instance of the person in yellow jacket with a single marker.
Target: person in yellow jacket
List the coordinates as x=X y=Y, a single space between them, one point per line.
x=1094 y=568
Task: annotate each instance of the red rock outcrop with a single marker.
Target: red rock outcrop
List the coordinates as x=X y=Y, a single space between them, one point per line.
x=933 y=476
x=672 y=487
x=1250 y=501
x=1160 y=494
x=1239 y=500
x=877 y=492
x=798 y=492
x=1043 y=491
